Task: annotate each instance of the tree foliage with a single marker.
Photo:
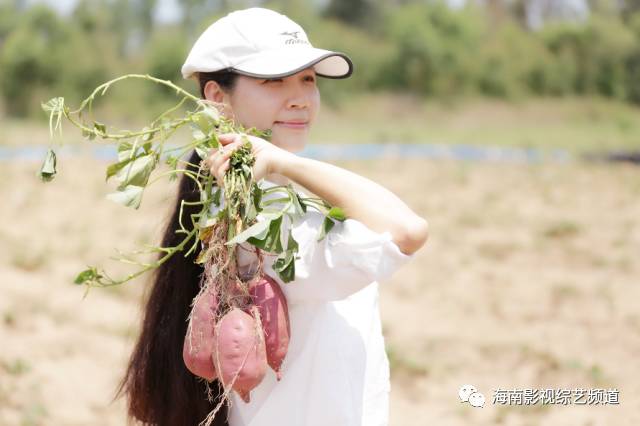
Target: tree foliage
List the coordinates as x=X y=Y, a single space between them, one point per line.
x=424 y=47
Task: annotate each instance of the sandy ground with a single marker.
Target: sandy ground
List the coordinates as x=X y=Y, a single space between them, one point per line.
x=530 y=280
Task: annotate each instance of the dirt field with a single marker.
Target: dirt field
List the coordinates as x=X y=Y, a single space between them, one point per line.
x=530 y=280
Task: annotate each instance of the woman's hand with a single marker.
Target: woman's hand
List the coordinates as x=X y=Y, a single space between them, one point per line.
x=265 y=153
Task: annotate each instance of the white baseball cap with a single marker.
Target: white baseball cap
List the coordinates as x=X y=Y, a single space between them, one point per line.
x=261 y=43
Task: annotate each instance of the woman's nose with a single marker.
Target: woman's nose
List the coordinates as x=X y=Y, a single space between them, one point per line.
x=299 y=97
x=298 y=102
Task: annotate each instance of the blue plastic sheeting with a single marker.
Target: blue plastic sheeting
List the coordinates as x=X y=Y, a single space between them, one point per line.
x=472 y=153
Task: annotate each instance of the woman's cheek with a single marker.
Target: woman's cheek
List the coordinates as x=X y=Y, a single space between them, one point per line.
x=253 y=119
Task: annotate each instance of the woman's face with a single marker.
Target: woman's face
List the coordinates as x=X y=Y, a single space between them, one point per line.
x=288 y=106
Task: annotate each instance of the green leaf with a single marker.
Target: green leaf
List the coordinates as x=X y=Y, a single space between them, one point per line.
x=202 y=151
x=135 y=172
x=337 y=213
x=212 y=114
x=251 y=213
x=292 y=244
x=214 y=142
x=87 y=276
x=114 y=168
x=100 y=128
x=258 y=231
x=198 y=134
x=148 y=137
x=53 y=104
x=334 y=213
x=171 y=161
x=327 y=225
x=48 y=168
x=216 y=196
x=129 y=196
x=257 y=196
x=299 y=205
x=207 y=221
x=271 y=242
x=264 y=134
x=254 y=207
x=88 y=134
x=165 y=124
x=125 y=151
x=207 y=119
x=285 y=266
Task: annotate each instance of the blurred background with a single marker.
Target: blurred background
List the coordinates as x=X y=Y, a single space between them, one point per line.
x=513 y=126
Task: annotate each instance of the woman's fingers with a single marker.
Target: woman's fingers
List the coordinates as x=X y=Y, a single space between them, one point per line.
x=227 y=138
x=218 y=154
x=222 y=170
x=220 y=166
x=218 y=161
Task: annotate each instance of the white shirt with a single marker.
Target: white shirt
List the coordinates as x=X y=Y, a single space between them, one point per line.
x=336 y=370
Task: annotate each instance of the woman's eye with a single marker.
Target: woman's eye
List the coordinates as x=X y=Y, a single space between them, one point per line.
x=310 y=78
x=272 y=80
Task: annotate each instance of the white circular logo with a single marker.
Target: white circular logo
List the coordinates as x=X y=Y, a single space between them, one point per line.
x=469 y=393
x=465 y=391
x=476 y=399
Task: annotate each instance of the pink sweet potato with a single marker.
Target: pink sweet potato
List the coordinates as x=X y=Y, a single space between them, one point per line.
x=268 y=297
x=239 y=353
x=198 y=342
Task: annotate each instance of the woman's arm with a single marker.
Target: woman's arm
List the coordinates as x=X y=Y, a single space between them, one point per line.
x=360 y=198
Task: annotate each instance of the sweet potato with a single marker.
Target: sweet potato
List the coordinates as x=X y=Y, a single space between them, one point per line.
x=268 y=297
x=239 y=353
x=198 y=342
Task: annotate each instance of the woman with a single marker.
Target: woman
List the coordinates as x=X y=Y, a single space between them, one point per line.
x=260 y=65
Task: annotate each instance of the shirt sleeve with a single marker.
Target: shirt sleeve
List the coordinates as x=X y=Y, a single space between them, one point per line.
x=350 y=257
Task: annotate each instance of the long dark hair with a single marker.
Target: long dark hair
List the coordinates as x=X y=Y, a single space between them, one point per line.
x=159 y=388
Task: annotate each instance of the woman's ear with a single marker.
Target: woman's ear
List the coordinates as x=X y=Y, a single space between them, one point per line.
x=213 y=92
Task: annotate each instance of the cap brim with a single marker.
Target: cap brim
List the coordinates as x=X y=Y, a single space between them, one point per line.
x=286 y=62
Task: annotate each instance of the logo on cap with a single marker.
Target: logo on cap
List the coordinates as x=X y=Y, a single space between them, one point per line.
x=294 y=38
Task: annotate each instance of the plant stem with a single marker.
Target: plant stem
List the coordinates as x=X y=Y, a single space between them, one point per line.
x=103 y=87
x=170 y=251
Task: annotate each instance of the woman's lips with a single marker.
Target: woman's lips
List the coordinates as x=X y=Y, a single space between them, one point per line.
x=293 y=124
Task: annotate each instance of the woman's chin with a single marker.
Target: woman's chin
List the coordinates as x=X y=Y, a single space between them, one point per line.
x=290 y=142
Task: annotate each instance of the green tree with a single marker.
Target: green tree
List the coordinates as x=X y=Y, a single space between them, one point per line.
x=8 y=15
x=598 y=51
x=435 y=49
x=629 y=8
x=507 y=61
x=194 y=10
x=632 y=63
x=143 y=13
x=91 y=16
x=165 y=54
x=353 y=12
x=45 y=56
x=28 y=58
